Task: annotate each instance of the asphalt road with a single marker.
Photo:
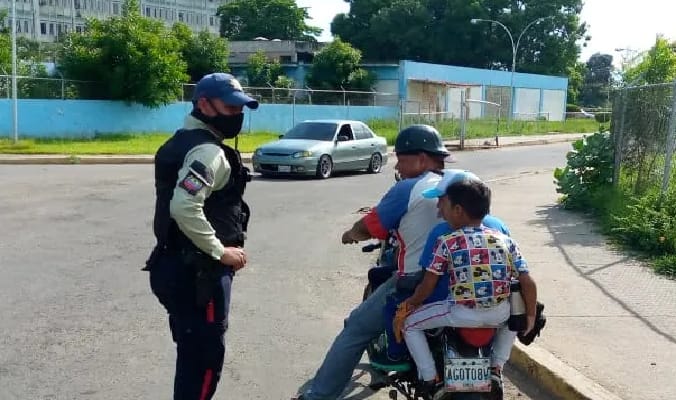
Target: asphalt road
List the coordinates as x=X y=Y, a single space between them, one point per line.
x=77 y=319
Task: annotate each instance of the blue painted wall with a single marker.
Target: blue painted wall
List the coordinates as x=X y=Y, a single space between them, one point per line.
x=84 y=118
x=449 y=73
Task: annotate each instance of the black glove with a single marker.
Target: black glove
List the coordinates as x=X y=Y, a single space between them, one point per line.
x=540 y=321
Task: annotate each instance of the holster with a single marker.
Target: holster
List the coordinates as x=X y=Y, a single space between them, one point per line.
x=153 y=258
x=208 y=273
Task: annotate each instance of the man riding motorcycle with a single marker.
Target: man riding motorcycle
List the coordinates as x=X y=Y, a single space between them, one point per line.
x=420 y=152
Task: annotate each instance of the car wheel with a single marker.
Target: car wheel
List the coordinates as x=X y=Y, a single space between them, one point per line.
x=376 y=163
x=324 y=167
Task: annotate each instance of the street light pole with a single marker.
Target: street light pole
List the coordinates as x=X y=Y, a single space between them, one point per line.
x=15 y=116
x=515 y=49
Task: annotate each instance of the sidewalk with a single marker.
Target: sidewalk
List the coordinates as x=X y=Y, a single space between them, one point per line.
x=470 y=144
x=608 y=316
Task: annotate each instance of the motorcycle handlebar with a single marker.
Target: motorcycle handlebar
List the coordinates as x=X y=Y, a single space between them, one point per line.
x=370 y=247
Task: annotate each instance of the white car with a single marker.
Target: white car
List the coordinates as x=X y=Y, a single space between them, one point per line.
x=320 y=147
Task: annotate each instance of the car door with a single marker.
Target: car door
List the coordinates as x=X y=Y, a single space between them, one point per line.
x=366 y=146
x=345 y=152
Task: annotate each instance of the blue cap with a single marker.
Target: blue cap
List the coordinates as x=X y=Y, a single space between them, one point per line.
x=223 y=86
x=450 y=177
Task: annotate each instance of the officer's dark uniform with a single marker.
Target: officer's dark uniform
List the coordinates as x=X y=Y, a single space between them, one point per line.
x=192 y=285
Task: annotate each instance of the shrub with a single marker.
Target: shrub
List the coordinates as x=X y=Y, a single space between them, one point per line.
x=589 y=168
x=602 y=117
x=572 y=108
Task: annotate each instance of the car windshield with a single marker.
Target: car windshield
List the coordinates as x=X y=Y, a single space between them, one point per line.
x=312 y=131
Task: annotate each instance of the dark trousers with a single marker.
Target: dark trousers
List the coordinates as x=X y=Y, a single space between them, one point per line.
x=198 y=331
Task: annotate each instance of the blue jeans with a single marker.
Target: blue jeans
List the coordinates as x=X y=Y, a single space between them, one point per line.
x=364 y=324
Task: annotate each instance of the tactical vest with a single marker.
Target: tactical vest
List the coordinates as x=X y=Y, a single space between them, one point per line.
x=225 y=208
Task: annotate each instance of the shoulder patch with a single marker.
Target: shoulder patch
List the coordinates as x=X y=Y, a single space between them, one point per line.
x=191 y=183
x=202 y=172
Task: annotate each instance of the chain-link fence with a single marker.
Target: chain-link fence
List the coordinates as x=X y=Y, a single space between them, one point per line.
x=30 y=87
x=467 y=118
x=54 y=88
x=272 y=95
x=643 y=126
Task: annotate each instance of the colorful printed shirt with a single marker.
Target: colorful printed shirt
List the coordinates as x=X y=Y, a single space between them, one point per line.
x=480 y=263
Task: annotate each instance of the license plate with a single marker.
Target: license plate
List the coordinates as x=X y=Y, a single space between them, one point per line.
x=468 y=375
x=284 y=168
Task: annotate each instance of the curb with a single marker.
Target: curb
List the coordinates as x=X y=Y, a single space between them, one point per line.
x=22 y=159
x=555 y=376
x=537 y=142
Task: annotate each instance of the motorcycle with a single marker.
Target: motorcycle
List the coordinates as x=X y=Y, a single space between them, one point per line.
x=463 y=354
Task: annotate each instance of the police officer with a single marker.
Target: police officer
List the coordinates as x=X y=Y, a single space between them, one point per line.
x=200 y=225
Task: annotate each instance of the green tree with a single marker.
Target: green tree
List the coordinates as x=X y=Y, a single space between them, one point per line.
x=203 y=52
x=272 y=19
x=336 y=67
x=28 y=64
x=658 y=66
x=5 y=44
x=261 y=72
x=135 y=59
x=597 y=80
x=576 y=74
x=440 y=31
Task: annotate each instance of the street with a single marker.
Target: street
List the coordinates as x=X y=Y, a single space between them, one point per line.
x=77 y=316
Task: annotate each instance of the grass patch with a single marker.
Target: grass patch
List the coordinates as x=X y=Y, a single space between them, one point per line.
x=116 y=144
x=484 y=128
x=638 y=218
x=147 y=143
x=644 y=225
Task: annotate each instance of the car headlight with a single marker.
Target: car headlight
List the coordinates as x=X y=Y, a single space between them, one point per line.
x=301 y=154
x=258 y=152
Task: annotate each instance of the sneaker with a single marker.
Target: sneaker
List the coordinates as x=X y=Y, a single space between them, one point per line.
x=429 y=389
x=496 y=384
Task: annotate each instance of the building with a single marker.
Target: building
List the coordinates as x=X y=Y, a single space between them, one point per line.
x=284 y=51
x=433 y=88
x=439 y=90
x=46 y=20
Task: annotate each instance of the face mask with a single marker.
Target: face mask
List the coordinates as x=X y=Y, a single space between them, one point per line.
x=228 y=126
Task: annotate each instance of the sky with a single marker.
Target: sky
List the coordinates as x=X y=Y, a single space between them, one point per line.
x=629 y=24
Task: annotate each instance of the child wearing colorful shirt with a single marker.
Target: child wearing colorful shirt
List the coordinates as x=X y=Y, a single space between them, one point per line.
x=397 y=351
x=479 y=263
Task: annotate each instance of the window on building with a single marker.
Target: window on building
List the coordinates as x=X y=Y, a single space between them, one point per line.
x=25 y=26
x=18 y=27
x=78 y=29
x=180 y=16
x=116 y=8
x=43 y=28
x=147 y=11
x=211 y=21
x=51 y=28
